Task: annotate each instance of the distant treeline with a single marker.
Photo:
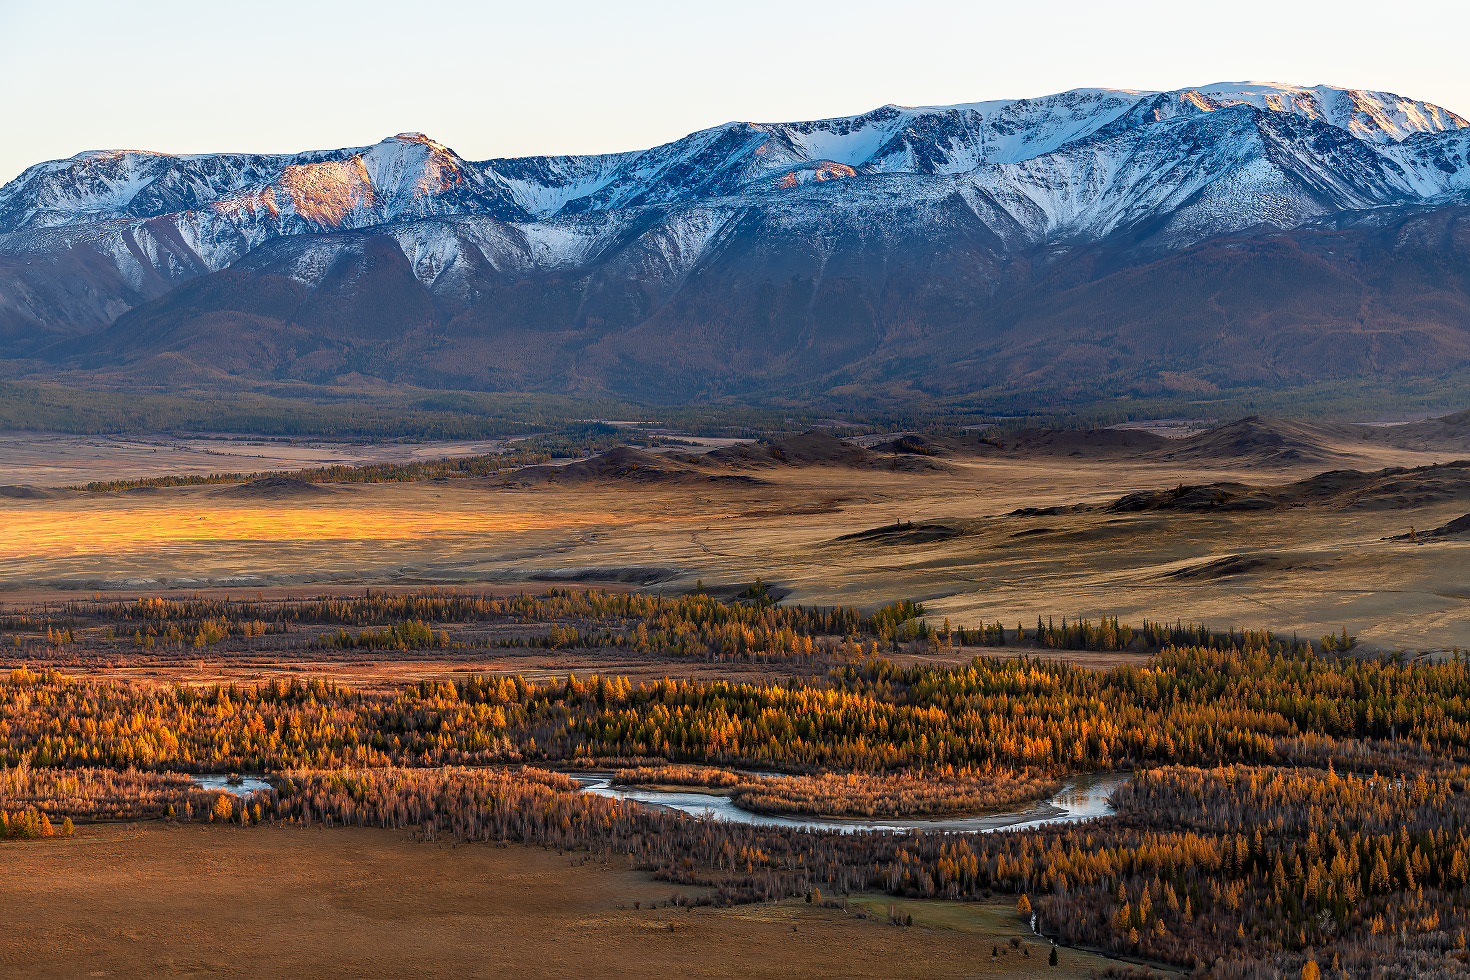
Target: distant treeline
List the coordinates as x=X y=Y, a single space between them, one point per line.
x=460 y=467
x=334 y=412
x=1096 y=404
x=340 y=412
x=526 y=452
x=680 y=625
x=1109 y=634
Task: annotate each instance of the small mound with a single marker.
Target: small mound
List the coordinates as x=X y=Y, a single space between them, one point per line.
x=1088 y=443
x=1211 y=496
x=820 y=449
x=966 y=444
x=1450 y=433
x=1274 y=442
x=274 y=488
x=913 y=445
x=1391 y=489
x=817 y=448
x=1050 y=511
x=1329 y=485
x=1232 y=565
x=30 y=493
x=808 y=449
x=1455 y=528
x=621 y=464
x=623 y=574
x=1460 y=525
x=905 y=533
x=1399 y=489
x=1395 y=488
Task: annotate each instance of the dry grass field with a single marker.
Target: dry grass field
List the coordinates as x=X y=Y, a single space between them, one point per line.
x=159 y=900
x=1306 y=569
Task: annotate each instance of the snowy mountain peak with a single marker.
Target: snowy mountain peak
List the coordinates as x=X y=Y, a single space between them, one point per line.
x=110 y=156
x=823 y=231
x=1379 y=117
x=1075 y=167
x=432 y=146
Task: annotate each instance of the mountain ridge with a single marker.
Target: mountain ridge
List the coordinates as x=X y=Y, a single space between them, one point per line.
x=818 y=245
x=869 y=140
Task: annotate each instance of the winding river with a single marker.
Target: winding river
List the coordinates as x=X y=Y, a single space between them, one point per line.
x=245 y=785
x=1081 y=798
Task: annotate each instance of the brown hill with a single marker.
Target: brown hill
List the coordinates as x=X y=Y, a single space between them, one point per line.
x=815 y=448
x=27 y=492
x=1395 y=488
x=1257 y=439
x=1082 y=442
x=623 y=464
x=1458 y=527
x=1232 y=565
x=905 y=533
x=1254 y=440
x=274 y=488
x=1449 y=433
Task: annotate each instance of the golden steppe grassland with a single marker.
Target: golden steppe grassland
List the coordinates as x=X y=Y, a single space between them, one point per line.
x=1302 y=569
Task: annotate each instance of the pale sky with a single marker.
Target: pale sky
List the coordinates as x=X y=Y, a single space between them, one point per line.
x=541 y=76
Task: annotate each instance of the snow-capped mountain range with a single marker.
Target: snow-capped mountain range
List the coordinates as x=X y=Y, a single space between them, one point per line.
x=85 y=239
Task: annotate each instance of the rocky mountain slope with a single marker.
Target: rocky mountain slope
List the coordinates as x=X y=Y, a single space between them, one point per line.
x=1232 y=234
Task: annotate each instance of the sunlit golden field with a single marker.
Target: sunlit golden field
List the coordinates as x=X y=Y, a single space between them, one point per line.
x=1312 y=569
x=118 y=528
